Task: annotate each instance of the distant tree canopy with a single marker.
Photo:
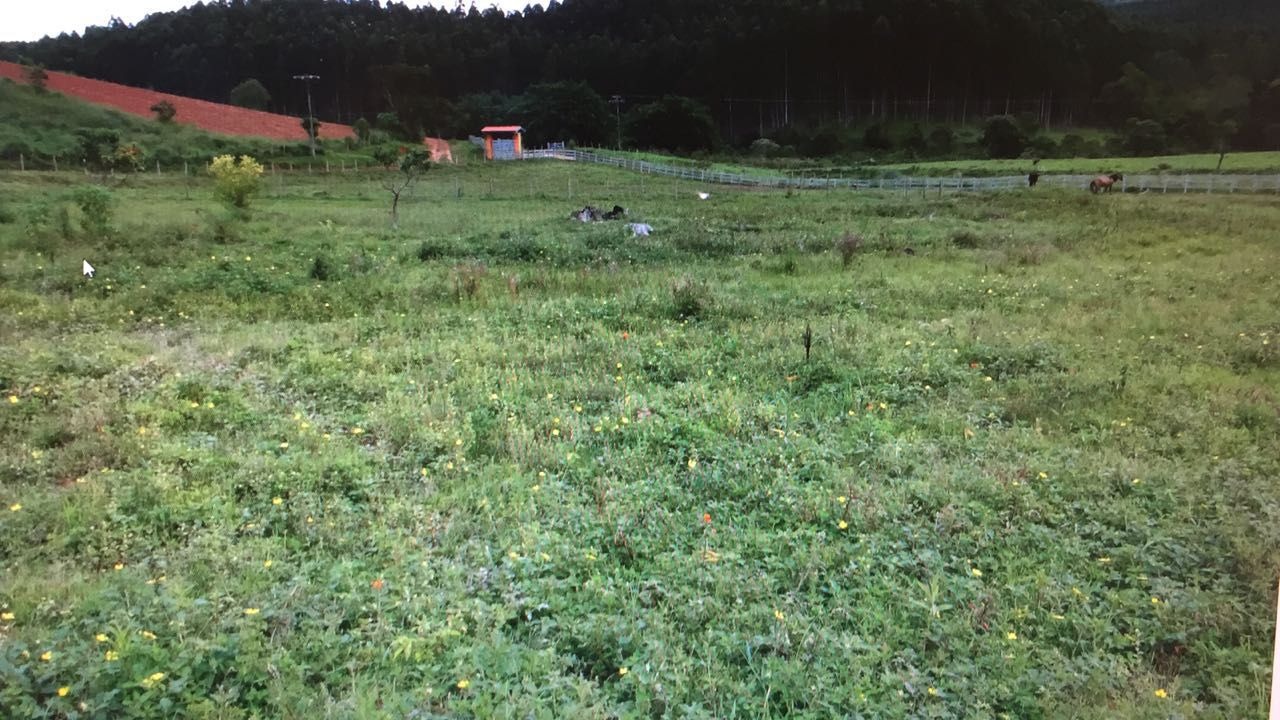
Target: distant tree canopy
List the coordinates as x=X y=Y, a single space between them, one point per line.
x=757 y=67
x=672 y=123
x=250 y=94
x=563 y=111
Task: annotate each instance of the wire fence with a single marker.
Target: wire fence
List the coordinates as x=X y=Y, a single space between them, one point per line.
x=1151 y=183
x=1164 y=183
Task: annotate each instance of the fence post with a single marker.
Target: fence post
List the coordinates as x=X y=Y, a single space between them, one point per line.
x=185 y=172
x=22 y=162
x=55 y=163
x=157 y=167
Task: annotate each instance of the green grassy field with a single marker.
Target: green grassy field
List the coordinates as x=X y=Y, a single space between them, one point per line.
x=501 y=464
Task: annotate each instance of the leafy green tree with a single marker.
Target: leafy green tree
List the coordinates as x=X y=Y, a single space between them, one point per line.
x=362 y=129
x=941 y=140
x=1003 y=138
x=564 y=111
x=672 y=123
x=409 y=164
x=251 y=94
x=1145 y=137
x=97 y=147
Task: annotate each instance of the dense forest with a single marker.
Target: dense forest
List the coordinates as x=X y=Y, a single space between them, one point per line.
x=1191 y=75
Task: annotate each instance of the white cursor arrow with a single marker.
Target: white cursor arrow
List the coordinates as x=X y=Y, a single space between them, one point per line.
x=88 y=269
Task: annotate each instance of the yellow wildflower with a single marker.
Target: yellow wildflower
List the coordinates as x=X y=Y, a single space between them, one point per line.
x=112 y=656
x=933 y=691
x=623 y=671
x=148 y=635
x=62 y=691
x=252 y=611
x=7 y=617
x=692 y=463
x=463 y=684
x=357 y=431
x=975 y=572
x=777 y=615
x=843 y=525
x=46 y=656
x=277 y=500
x=1161 y=693
x=100 y=637
x=1011 y=635
x=266 y=563
x=13 y=399
x=15 y=507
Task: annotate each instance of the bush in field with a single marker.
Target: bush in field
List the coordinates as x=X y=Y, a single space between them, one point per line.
x=164 y=110
x=96 y=208
x=764 y=148
x=941 y=140
x=236 y=181
x=36 y=77
x=875 y=137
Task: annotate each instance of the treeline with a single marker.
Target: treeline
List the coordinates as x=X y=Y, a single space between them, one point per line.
x=759 y=68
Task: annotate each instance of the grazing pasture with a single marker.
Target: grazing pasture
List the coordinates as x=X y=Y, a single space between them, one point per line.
x=500 y=463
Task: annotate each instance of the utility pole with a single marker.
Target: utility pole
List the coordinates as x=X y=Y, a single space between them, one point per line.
x=616 y=101
x=311 y=115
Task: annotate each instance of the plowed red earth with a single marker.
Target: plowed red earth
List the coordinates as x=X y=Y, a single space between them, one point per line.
x=210 y=116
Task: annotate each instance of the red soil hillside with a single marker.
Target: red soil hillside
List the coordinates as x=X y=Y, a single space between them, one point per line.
x=213 y=117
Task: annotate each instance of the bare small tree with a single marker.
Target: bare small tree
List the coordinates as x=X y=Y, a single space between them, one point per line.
x=409 y=165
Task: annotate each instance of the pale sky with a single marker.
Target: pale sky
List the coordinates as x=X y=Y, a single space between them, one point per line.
x=33 y=19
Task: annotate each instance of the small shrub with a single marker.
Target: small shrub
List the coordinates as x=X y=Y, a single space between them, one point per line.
x=95 y=205
x=236 y=181
x=321 y=268
x=941 y=140
x=466 y=279
x=431 y=250
x=764 y=148
x=688 y=299
x=848 y=246
x=164 y=110
x=966 y=240
x=877 y=138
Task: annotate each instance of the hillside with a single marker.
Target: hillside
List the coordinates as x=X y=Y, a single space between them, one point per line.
x=213 y=117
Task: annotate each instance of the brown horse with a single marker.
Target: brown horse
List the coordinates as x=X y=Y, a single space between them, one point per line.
x=1104 y=183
